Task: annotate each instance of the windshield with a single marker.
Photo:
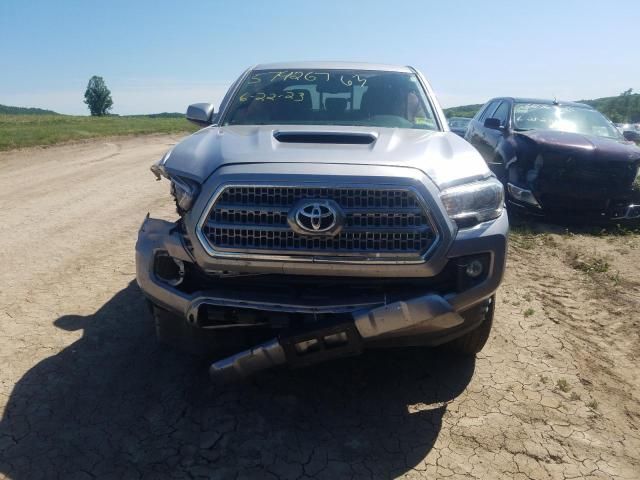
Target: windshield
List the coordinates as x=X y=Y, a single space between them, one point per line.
x=565 y=118
x=331 y=97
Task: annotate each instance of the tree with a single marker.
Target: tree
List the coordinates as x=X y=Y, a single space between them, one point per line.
x=627 y=92
x=98 y=97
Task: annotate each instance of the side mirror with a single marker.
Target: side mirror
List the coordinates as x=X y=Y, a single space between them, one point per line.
x=631 y=135
x=200 y=113
x=492 y=123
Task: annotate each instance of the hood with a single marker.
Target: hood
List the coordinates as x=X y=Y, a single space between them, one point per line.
x=446 y=158
x=587 y=145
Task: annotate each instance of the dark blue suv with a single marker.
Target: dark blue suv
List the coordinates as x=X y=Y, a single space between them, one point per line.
x=558 y=158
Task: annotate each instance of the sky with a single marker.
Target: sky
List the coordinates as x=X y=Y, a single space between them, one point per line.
x=158 y=55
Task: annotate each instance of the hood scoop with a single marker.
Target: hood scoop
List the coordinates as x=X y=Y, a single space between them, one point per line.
x=339 y=138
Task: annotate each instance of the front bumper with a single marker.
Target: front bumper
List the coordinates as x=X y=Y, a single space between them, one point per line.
x=619 y=207
x=339 y=339
x=488 y=240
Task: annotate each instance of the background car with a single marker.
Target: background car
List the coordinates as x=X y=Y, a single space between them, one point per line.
x=558 y=158
x=458 y=125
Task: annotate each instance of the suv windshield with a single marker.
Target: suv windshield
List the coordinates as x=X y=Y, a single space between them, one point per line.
x=331 y=97
x=565 y=118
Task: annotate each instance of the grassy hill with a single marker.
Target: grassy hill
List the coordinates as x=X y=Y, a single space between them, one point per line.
x=624 y=108
x=467 y=111
x=164 y=115
x=620 y=109
x=7 y=110
x=27 y=130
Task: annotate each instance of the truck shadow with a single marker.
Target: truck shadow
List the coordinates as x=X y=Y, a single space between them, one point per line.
x=115 y=404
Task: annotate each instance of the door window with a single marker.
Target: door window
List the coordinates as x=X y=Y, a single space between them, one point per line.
x=488 y=111
x=502 y=113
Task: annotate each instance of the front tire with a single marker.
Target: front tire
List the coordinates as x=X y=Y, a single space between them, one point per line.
x=473 y=342
x=173 y=330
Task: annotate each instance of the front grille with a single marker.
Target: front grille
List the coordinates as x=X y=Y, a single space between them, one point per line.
x=585 y=187
x=571 y=204
x=381 y=223
x=585 y=173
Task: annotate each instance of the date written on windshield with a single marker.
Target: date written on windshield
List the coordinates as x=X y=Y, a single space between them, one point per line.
x=268 y=77
x=296 y=96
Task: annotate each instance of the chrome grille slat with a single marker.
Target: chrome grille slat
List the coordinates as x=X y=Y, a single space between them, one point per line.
x=285 y=208
x=285 y=228
x=379 y=222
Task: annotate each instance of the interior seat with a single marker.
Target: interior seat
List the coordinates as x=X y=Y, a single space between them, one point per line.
x=384 y=98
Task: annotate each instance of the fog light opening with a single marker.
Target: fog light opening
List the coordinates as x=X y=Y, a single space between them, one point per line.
x=474 y=269
x=170 y=270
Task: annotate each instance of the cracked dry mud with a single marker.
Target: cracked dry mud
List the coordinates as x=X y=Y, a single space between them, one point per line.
x=85 y=391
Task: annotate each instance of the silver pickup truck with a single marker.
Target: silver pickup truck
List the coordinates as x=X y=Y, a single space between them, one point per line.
x=325 y=209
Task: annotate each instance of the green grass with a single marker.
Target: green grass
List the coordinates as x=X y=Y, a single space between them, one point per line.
x=586 y=263
x=18 y=131
x=522 y=237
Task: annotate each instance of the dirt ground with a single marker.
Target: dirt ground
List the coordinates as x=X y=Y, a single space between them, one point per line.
x=85 y=391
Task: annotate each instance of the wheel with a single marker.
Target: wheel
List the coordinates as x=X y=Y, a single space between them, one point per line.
x=472 y=342
x=174 y=331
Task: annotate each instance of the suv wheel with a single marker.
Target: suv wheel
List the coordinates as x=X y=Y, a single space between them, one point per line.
x=473 y=342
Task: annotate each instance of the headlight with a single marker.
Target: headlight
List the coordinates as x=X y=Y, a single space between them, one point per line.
x=184 y=192
x=475 y=202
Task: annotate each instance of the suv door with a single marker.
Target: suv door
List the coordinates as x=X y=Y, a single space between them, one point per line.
x=493 y=138
x=477 y=131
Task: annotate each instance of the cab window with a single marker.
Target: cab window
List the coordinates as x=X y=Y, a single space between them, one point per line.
x=502 y=113
x=486 y=113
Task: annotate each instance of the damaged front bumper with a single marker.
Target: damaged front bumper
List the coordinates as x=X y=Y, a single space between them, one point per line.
x=587 y=205
x=339 y=325
x=338 y=340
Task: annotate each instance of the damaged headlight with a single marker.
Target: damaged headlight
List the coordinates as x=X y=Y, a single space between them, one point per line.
x=183 y=190
x=158 y=168
x=474 y=202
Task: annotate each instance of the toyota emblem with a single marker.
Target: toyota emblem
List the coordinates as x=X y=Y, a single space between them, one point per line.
x=316 y=217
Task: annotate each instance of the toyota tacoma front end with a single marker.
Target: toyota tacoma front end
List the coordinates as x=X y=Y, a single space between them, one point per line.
x=324 y=210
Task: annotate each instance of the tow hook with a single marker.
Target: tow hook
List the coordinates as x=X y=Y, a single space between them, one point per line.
x=343 y=338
